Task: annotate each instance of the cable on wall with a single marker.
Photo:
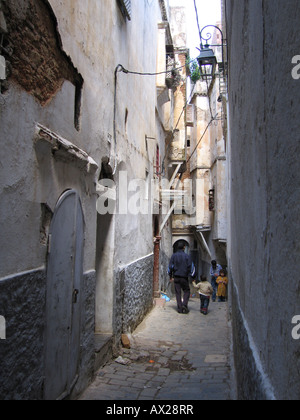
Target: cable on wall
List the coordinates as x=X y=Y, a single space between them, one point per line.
x=121 y=69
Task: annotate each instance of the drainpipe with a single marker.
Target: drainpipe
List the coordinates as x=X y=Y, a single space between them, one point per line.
x=156 y=292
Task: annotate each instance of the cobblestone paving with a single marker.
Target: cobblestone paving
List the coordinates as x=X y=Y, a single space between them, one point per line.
x=172 y=357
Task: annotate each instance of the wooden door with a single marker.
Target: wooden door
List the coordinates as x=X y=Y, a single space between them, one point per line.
x=63 y=308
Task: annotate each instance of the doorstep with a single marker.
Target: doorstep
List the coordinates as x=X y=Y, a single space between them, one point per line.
x=103 y=349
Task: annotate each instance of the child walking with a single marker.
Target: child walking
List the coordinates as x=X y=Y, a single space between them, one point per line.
x=222 y=282
x=205 y=291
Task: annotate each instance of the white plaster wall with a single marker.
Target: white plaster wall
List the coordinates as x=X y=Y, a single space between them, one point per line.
x=97 y=38
x=27 y=180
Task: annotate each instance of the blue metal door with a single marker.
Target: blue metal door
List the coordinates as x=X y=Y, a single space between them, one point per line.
x=63 y=308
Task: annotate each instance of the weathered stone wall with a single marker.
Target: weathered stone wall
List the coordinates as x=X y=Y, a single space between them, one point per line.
x=38 y=62
x=134 y=295
x=264 y=194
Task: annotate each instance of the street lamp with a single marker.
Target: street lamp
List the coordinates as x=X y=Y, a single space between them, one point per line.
x=207 y=60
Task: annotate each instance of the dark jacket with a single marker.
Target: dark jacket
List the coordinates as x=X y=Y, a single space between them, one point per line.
x=181 y=265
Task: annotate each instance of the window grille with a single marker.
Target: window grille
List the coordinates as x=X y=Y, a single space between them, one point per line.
x=125 y=7
x=170 y=66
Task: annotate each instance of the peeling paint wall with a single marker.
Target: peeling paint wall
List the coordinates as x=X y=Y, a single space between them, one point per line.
x=39 y=65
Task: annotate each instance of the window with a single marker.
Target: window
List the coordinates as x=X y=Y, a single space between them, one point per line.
x=190 y=115
x=211 y=195
x=125 y=7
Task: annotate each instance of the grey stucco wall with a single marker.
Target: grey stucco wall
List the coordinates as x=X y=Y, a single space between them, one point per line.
x=264 y=193
x=23 y=303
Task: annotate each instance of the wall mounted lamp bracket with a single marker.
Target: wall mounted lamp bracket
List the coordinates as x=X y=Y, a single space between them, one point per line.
x=207 y=60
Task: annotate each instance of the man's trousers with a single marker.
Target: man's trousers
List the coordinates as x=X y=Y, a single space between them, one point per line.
x=182 y=284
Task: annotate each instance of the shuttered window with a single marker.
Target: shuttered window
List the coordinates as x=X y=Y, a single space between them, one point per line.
x=125 y=7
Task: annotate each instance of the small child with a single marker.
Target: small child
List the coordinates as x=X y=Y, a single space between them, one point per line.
x=222 y=282
x=205 y=292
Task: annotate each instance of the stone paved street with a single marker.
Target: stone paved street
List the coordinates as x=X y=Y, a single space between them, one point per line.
x=172 y=357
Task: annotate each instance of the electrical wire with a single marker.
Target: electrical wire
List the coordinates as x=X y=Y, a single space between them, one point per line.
x=197 y=16
x=173 y=132
x=117 y=69
x=121 y=68
x=205 y=131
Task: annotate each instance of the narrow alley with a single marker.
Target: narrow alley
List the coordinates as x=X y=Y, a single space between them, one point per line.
x=172 y=357
x=132 y=131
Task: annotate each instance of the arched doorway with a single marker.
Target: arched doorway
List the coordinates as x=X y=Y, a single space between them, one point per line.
x=63 y=300
x=187 y=246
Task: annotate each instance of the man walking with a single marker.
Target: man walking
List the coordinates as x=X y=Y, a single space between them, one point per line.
x=180 y=268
